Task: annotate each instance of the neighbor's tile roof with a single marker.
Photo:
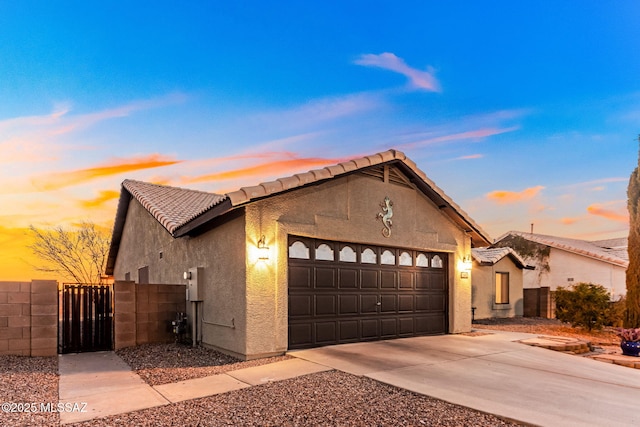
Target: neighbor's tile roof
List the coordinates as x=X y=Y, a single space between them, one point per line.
x=490 y=256
x=171 y=206
x=599 y=249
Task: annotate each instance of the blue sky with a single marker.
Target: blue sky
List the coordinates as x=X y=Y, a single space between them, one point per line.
x=520 y=111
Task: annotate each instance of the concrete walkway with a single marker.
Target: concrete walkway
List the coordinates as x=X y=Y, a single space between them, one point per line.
x=100 y=384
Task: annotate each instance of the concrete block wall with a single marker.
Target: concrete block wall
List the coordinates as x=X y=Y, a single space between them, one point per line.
x=29 y=318
x=538 y=302
x=143 y=312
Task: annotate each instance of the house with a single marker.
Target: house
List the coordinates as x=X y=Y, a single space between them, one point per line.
x=497 y=283
x=368 y=249
x=561 y=261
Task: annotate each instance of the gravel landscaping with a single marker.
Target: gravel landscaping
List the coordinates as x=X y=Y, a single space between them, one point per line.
x=169 y=363
x=25 y=384
x=324 y=399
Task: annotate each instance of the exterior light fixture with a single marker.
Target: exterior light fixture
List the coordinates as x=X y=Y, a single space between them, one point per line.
x=467 y=263
x=263 y=250
x=186 y=275
x=464 y=265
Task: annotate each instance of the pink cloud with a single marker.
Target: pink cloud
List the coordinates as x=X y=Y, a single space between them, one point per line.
x=618 y=215
x=419 y=79
x=506 y=197
x=470 y=157
x=473 y=134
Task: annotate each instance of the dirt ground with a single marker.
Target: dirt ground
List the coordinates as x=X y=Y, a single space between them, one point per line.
x=605 y=338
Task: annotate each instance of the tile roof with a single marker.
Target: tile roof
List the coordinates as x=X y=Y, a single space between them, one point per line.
x=180 y=210
x=490 y=256
x=598 y=249
x=247 y=194
x=171 y=206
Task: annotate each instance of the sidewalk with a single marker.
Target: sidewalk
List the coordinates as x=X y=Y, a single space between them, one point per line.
x=107 y=385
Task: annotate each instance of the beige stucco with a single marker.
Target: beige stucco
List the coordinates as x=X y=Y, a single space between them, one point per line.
x=220 y=252
x=245 y=299
x=484 y=290
x=567 y=268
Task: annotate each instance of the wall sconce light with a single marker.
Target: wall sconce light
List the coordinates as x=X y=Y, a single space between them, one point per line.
x=263 y=250
x=464 y=266
x=186 y=275
x=467 y=263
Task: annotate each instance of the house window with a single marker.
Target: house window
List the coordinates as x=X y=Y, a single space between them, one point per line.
x=502 y=288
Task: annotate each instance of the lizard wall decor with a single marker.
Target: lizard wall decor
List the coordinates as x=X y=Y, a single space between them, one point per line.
x=385 y=215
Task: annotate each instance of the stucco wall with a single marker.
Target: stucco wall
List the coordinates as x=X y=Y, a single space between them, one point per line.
x=343 y=209
x=484 y=290
x=565 y=265
x=221 y=254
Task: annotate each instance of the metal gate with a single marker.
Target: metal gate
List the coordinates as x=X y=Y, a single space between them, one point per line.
x=85 y=318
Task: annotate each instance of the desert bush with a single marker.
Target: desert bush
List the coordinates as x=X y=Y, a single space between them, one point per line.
x=585 y=304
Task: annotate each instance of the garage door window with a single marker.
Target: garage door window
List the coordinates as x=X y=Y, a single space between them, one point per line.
x=347 y=254
x=406 y=259
x=388 y=258
x=324 y=253
x=298 y=250
x=422 y=261
x=369 y=256
x=436 y=261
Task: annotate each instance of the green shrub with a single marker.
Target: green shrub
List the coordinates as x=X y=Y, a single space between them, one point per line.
x=585 y=305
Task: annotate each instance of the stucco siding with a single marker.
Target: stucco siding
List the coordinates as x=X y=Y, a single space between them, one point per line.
x=221 y=254
x=564 y=266
x=484 y=290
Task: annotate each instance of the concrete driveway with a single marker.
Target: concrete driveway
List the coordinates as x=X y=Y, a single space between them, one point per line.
x=495 y=374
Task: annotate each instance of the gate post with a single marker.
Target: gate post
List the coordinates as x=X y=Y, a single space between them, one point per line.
x=44 y=318
x=124 y=314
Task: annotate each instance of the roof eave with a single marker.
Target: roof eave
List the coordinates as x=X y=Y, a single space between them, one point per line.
x=216 y=211
x=479 y=237
x=118 y=227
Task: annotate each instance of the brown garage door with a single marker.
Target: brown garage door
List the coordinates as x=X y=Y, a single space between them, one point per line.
x=346 y=292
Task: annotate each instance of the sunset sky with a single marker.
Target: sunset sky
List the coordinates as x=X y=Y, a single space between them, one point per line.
x=521 y=111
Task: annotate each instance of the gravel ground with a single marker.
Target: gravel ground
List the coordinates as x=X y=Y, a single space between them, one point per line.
x=324 y=399
x=31 y=381
x=169 y=363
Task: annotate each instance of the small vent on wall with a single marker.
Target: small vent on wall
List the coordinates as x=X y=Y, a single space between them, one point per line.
x=570 y=279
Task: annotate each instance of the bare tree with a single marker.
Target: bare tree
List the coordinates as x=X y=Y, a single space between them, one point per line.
x=79 y=255
x=633 y=271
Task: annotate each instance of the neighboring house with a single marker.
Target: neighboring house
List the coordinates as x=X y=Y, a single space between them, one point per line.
x=496 y=285
x=364 y=250
x=560 y=261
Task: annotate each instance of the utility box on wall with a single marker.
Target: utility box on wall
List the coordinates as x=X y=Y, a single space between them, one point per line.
x=193 y=277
